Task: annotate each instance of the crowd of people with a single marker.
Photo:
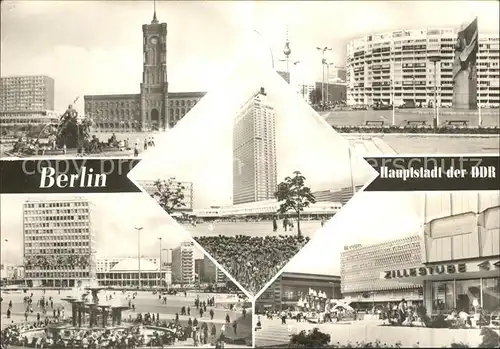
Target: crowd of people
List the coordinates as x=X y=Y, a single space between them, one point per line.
x=258 y=258
x=143 y=330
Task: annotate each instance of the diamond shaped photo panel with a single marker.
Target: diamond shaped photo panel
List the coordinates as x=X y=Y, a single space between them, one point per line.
x=252 y=172
x=106 y=268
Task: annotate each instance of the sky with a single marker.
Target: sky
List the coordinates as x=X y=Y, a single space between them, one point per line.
x=113 y=219
x=95 y=47
x=203 y=141
x=373 y=217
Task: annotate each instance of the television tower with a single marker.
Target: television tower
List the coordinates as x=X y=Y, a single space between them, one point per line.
x=287 y=51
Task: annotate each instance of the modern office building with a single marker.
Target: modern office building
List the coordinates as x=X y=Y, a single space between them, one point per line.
x=187 y=191
x=154 y=108
x=334 y=92
x=105 y=264
x=254 y=151
x=26 y=93
x=125 y=273
x=360 y=268
x=288 y=289
x=208 y=272
x=183 y=266
x=59 y=243
x=394 y=67
x=26 y=99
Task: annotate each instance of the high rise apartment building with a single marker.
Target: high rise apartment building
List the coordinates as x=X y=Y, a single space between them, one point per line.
x=26 y=99
x=59 y=243
x=183 y=266
x=254 y=151
x=26 y=93
x=394 y=67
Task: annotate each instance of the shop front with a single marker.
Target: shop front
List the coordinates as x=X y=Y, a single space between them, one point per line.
x=467 y=286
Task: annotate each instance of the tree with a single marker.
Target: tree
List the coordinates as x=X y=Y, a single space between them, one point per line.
x=294 y=195
x=170 y=194
x=315 y=96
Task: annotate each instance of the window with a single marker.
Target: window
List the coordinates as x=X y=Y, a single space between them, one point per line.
x=490 y=292
x=442 y=296
x=468 y=294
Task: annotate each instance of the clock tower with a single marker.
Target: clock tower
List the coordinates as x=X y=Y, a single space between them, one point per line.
x=154 y=86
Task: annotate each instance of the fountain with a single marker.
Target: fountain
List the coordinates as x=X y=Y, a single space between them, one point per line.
x=70 y=134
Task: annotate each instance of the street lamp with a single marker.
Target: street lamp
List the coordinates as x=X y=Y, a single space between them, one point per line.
x=139 y=254
x=6 y=260
x=161 y=265
x=269 y=46
x=303 y=82
x=323 y=67
x=435 y=58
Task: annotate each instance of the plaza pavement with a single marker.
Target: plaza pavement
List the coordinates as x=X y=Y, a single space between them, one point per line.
x=360 y=117
x=308 y=228
x=392 y=143
x=274 y=333
x=144 y=302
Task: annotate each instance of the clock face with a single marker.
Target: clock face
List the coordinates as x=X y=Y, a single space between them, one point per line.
x=154 y=40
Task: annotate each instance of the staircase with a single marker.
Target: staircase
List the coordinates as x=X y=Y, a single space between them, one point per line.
x=273 y=335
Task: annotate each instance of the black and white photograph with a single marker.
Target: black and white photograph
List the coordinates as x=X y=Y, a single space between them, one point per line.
x=255 y=182
x=396 y=269
x=247 y=123
x=93 y=271
x=428 y=83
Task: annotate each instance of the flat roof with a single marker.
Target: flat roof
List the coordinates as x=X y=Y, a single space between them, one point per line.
x=309 y=276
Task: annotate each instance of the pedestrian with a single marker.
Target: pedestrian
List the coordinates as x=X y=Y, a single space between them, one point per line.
x=275 y=225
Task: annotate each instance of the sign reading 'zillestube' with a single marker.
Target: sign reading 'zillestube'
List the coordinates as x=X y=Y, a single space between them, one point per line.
x=427 y=270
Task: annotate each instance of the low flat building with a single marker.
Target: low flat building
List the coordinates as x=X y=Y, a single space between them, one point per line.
x=289 y=288
x=126 y=274
x=105 y=264
x=267 y=208
x=13 y=118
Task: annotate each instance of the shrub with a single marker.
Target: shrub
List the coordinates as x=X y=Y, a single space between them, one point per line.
x=458 y=345
x=312 y=339
x=491 y=339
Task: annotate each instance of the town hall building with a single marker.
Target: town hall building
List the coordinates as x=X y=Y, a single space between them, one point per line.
x=154 y=108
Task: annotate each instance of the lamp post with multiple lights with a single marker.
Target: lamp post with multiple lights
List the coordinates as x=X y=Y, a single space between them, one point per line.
x=323 y=62
x=268 y=46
